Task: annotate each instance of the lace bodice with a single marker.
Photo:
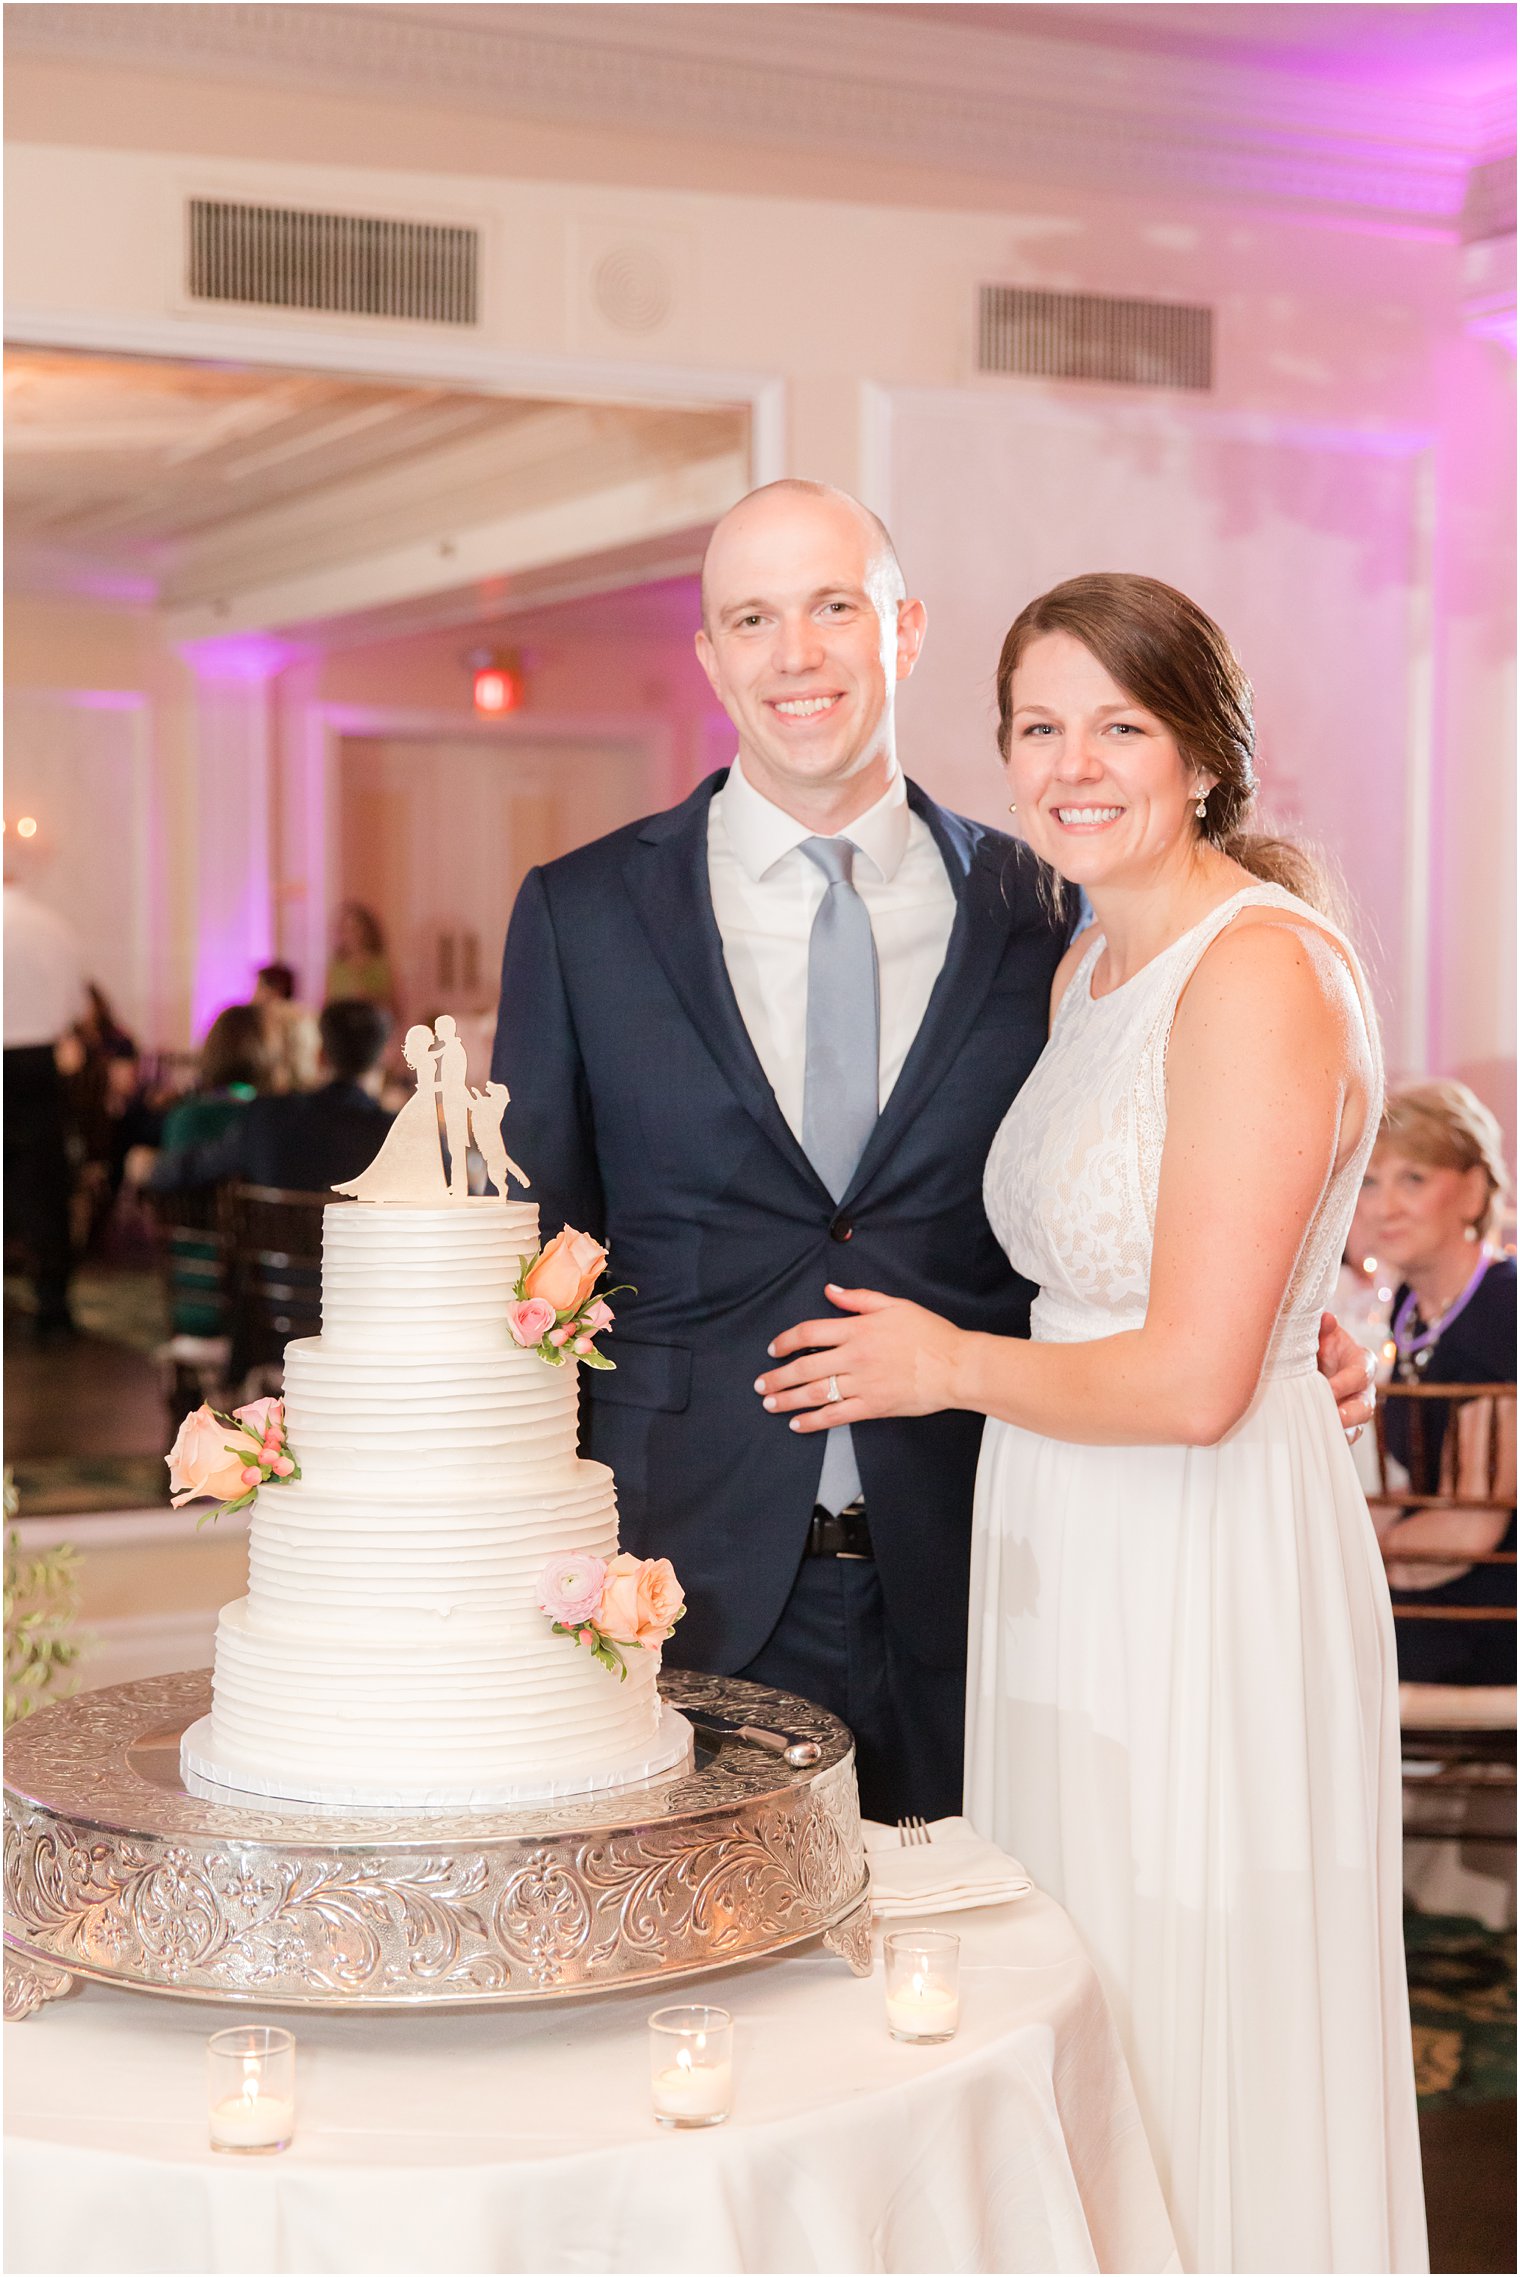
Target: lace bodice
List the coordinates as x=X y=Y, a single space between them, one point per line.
x=1071 y=1178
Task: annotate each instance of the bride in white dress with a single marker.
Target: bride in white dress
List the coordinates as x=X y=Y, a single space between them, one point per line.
x=1182 y=1700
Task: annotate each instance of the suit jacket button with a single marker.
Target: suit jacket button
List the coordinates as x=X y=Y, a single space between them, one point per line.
x=841 y=1229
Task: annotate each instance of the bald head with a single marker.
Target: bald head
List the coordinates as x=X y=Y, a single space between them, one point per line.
x=806 y=631
x=791 y=499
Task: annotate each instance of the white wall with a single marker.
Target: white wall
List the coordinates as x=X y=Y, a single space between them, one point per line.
x=1327 y=498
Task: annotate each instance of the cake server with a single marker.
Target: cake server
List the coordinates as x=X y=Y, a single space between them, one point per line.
x=799 y=1753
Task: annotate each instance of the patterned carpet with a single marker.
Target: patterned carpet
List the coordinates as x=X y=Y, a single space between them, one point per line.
x=1462 y=2004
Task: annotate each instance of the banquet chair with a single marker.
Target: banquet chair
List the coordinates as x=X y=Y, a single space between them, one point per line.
x=190 y=1247
x=1458 y=1739
x=275 y=1271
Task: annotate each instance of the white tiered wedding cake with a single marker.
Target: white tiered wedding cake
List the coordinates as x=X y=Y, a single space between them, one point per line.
x=393 y=1648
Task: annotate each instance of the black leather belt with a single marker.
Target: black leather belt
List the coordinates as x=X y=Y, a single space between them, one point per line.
x=842 y=1534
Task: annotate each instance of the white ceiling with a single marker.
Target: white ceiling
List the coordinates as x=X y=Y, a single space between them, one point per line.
x=179 y=482
x=117 y=460
x=1380 y=108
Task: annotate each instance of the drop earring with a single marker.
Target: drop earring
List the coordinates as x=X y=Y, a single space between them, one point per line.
x=1202 y=808
x=1469 y=1233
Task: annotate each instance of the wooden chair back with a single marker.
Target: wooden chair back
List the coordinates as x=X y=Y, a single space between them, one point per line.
x=1473 y=1426
x=1458 y=1740
x=191 y=1253
x=276 y=1271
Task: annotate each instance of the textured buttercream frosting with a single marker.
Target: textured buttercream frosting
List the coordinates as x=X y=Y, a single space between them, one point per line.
x=390 y=1648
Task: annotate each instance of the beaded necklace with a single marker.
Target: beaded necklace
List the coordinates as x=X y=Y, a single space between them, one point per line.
x=1417 y=1349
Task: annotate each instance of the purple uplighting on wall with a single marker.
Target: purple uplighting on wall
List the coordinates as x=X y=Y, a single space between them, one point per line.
x=245 y=658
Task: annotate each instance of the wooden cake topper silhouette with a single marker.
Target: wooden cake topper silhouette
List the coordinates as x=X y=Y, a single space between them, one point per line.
x=409 y=1166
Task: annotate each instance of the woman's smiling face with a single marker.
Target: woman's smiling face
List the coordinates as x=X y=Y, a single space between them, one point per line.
x=1101 y=788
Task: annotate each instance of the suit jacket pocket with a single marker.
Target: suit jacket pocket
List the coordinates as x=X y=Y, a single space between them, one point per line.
x=645 y=1375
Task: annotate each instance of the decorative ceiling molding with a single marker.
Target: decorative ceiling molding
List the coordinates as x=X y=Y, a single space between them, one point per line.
x=888 y=85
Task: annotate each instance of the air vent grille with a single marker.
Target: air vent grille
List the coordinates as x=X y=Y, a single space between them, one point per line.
x=351 y=264
x=1088 y=336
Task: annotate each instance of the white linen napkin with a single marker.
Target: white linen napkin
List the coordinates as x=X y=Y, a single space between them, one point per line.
x=951 y=1873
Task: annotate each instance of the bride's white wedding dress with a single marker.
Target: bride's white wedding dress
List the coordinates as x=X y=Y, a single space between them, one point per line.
x=1182 y=1700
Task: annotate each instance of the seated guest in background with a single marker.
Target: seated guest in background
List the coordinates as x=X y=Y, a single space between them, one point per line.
x=44 y=995
x=102 y=1072
x=360 y=966
x=308 y=1140
x=234 y=1069
x=1430 y=1208
x=290 y=1031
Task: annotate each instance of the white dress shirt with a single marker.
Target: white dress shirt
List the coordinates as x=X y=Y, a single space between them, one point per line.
x=766 y=894
x=44 y=977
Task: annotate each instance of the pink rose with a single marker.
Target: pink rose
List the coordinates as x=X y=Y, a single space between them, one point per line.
x=264 y=1419
x=642 y=1600
x=570 y=1587
x=199 y=1463
x=559 y=1336
x=530 y=1321
x=568 y=1271
x=598 y=1316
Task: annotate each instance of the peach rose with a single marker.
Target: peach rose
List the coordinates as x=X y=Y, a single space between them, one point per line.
x=567 y=1272
x=662 y=1601
x=199 y=1462
x=641 y=1600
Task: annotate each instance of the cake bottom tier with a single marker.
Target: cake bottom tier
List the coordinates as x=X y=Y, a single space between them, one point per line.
x=341 y=1721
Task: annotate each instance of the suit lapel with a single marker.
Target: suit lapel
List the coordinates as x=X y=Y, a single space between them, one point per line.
x=978 y=938
x=667 y=881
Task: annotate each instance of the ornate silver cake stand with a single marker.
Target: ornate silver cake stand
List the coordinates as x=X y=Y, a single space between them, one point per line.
x=113 y=1871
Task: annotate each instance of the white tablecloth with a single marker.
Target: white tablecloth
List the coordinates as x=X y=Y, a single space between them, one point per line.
x=521 y=2139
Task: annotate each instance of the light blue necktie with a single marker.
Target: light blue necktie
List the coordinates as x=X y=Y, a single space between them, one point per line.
x=839 y=1093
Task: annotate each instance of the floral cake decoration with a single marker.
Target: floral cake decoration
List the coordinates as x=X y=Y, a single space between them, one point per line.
x=555 y=1310
x=611 y=1605
x=205 y=1461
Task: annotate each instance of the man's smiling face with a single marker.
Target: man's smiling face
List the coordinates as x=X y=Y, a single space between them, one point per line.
x=805 y=636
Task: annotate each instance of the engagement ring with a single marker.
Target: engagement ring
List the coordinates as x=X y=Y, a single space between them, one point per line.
x=834 y=1391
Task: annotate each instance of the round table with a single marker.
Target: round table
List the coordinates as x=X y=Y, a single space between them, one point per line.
x=521 y=2139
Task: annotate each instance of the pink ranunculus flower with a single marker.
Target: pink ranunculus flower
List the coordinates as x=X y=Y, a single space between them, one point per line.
x=567 y=1272
x=264 y=1418
x=530 y=1321
x=199 y=1463
x=597 y=1317
x=570 y=1587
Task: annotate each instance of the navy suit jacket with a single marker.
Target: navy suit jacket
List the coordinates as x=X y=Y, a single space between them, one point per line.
x=642 y=1114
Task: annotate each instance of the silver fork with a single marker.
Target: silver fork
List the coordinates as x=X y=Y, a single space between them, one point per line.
x=913 y=1832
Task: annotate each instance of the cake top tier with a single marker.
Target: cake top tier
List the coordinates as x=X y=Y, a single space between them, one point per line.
x=407 y=1279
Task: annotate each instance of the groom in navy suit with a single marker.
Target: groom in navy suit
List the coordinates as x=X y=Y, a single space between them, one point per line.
x=759 y=1043
x=654 y=1032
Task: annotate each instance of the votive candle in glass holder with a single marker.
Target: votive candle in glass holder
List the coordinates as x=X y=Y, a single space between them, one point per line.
x=252 y=2087
x=923 y=1984
x=691 y=2066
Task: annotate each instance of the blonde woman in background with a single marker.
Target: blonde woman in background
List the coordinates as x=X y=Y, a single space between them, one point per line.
x=360 y=968
x=1431 y=1202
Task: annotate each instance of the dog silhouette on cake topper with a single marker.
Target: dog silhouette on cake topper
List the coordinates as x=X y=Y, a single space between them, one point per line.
x=410 y=1164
